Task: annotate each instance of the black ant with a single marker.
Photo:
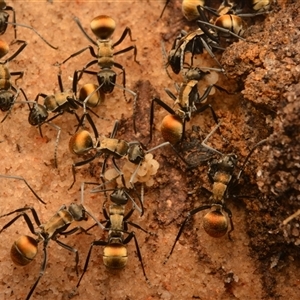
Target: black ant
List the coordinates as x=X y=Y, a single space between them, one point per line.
x=8 y=92
x=194 y=42
x=221 y=174
x=173 y=125
x=226 y=24
x=103 y=27
x=59 y=103
x=25 y=247
x=258 y=7
x=81 y=142
x=4 y=17
x=115 y=252
x=229 y=22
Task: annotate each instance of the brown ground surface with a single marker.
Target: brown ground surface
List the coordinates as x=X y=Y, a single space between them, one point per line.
x=262 y=261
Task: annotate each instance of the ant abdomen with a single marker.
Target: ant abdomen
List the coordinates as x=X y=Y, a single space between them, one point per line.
x=24 y=250
x=103 y=27
x=115 y=256
x=215 y=223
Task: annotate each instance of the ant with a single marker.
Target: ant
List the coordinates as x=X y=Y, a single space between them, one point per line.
x=229 y=20
x=173 y=125
x=236 y=7
x=27 y=184
x=194 y=42
x=25 y=247
x=103 y=27
x=226 y=24
x=115 y=252
x=8 y=92
x=221 y=174
x=59 y=103
x=112 y=176
x=188 y=8
x=81 y=142
x=4 y=17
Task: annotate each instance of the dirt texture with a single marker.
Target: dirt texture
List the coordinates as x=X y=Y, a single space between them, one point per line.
x=262 y=259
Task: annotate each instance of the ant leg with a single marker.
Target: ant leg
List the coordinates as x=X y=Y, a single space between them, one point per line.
x=95 y=243
x=21 y=48
x=166 y=4
x=208 y=136
x=127 y=31
x=56 y=141
x=126 y=241
x=248 y=156
x=78 y=164
x=25 y=216
x=229 y=213
x=42 y=270
x=174 y=149
x=35 y=31
x=89 y=213
x=71 y=249
x=77 y=53
x=21 y=178
x=163 y=105
x=189 y=215
x=128 y=49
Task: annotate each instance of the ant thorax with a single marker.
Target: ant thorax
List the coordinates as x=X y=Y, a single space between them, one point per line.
x=105 y=54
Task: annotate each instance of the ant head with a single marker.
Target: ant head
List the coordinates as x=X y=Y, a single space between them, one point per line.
x=103 y=27
x=4 y=48
x=38 y=114
x=2 y=4
x=24 y=250
x=174 y=60
x=81 y=142
x=6 y=99
x=195 y=74
x=136 y=153
x=215 y=223
x=77 y=211
x=115 y=255
x=172 y=129
x=119 y=197
x=226 y=164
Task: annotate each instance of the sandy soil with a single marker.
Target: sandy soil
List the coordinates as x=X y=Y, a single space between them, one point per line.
x=262 y=260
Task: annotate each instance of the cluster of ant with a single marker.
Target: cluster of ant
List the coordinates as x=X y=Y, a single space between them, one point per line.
x=214 y=25
x=25 y=248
